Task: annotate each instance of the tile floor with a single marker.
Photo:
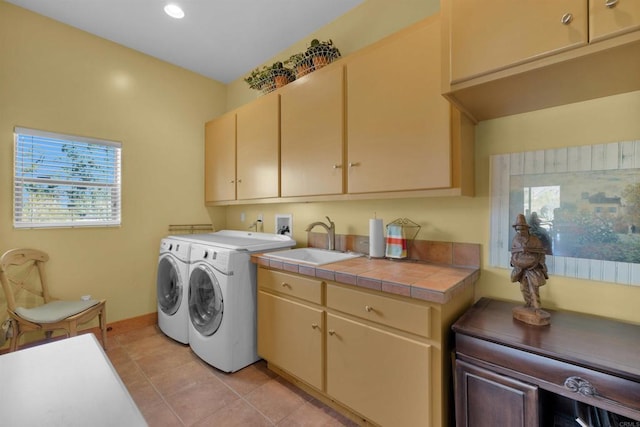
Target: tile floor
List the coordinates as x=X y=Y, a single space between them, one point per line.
x=173 y=387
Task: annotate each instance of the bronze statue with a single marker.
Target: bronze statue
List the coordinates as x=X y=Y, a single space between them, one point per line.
x=529 y=268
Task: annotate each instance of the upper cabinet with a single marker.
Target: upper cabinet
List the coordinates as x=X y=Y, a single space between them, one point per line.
x=371 y=125
x=220 y=159
x=312 y=134
x=507 y=57
x=489 y=36
x=242 y=153
x=398 y=124
x=608 y=18
x=258 y=148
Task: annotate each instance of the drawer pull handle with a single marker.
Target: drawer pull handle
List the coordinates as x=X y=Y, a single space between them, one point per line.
x=332 y=332
x=368 y=308
x=611 y=3
x=336 y=166
x=566 y=18
x=314 y=326
x=580 y=386
x=285 y=285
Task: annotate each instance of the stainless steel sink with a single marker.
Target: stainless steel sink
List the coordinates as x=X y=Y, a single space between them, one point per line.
x=312 y=256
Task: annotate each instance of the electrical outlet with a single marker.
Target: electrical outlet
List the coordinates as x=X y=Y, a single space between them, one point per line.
x=242 y=217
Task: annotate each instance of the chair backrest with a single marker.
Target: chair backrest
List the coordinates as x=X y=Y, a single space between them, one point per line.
x=20 y=270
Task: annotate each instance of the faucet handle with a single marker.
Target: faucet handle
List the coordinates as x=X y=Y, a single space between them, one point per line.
x=331 y=223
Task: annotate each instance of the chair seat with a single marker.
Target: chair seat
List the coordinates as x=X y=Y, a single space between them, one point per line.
x=54 y=311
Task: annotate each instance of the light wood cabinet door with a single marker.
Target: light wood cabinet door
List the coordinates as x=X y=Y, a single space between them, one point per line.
x=398 y=124
x=621 y=16
x=220 y=159
x=290 y=336
x=312 y=112
x=379 y=374
x=489 y=36
x=258 y=147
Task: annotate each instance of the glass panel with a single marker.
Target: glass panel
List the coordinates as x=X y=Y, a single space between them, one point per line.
x=169 y=287
x=206 y=305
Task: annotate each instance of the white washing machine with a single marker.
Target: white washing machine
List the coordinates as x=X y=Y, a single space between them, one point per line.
x=172 y=285
x=222 y=295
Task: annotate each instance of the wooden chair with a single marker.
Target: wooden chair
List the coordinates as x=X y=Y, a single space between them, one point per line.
x=22 y=270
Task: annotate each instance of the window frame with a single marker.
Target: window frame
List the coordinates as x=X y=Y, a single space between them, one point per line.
x=85 y=193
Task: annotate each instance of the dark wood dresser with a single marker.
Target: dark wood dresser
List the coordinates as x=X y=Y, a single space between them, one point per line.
x=508 y=373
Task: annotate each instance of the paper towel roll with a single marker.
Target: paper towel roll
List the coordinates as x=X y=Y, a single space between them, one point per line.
x=376 y=238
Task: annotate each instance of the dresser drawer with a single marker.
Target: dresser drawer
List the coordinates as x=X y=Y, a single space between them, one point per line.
x=301 y=287
x=404 y=315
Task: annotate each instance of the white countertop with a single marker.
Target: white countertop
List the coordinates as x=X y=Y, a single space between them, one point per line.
x=67 y=383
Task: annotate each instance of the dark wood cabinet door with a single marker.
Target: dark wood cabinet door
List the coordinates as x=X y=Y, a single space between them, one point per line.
x=487 y=399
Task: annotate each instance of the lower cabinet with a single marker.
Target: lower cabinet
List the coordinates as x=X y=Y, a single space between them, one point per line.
x=488 y=399
x=378 y=357
x=294 y=345
x=379 y=374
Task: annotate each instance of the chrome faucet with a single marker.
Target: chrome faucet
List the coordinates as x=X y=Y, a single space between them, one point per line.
x=331 y=231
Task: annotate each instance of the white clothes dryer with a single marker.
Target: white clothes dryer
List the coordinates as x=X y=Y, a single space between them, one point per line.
x=172 y=289
x=222 y=295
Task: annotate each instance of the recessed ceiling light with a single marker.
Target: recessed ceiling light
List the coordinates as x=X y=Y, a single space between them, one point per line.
x=174 y=11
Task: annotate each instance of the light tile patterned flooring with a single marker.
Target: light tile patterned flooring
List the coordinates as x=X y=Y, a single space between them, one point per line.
x=173 y=387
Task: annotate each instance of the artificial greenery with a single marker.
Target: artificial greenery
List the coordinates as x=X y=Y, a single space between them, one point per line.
x=323 y=48
x=263 y=78
x=317 y=54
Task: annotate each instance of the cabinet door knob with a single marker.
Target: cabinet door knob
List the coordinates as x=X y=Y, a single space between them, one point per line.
x=231 y=182
x=314 y=326
x=337 y=166
x=353 y=164
x=239 y=181
x=332 y=332
x=368 y=308
x=611 y=3
x=566 y=18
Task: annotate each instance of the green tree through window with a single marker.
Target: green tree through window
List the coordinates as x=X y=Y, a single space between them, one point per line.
x=65 y=181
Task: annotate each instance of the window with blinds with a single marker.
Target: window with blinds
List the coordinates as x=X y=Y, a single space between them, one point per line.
x=65 y=181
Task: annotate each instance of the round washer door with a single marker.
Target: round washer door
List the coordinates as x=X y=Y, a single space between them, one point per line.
x=169 y=286
x=206 y=305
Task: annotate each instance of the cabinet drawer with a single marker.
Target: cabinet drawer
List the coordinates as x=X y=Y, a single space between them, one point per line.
x=404 y=315
x=297 y=286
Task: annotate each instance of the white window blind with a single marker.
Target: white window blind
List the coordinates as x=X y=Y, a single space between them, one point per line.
x=65 y=181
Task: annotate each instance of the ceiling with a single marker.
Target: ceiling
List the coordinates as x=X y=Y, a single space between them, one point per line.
x=220 y=39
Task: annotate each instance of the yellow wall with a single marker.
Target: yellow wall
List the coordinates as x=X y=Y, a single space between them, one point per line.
x=60 y=79
x=462 y=219
x=361 y=26
x=602 y=120
x=56 y=78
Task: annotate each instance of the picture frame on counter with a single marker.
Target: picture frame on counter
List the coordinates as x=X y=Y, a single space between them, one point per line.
x=582 y=202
